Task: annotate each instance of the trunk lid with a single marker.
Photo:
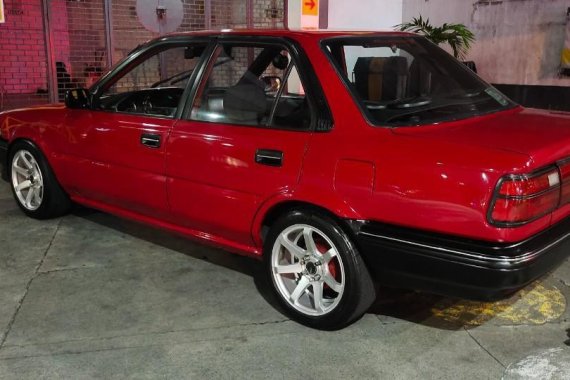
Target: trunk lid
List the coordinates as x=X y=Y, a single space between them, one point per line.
x=544 y=136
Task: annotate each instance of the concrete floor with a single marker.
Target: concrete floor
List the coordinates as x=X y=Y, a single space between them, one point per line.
x=90 y=295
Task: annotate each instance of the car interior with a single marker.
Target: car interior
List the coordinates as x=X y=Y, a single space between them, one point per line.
x=252 y=90
x=254 y=98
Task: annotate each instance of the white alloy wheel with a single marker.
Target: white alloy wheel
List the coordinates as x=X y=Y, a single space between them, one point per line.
x=27 y=180
x=307 y=270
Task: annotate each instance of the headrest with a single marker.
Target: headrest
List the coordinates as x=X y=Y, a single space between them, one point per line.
x=379 y=78
x=245 y=102
x=378 y=65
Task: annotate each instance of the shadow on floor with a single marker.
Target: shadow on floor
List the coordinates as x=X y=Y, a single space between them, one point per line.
x=440 y=312
x=169 y=240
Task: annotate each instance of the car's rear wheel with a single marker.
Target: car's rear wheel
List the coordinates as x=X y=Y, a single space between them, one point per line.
x=316 y=271
x=34 y=185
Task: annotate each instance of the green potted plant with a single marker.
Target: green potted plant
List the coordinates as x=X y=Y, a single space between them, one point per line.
x=458 y=36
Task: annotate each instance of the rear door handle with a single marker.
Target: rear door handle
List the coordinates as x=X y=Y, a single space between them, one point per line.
x=151 y=140
x=269 y=157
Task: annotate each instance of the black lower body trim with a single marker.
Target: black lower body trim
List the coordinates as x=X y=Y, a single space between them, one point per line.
x=545 y=97
x=4 y=159
x=459 y=267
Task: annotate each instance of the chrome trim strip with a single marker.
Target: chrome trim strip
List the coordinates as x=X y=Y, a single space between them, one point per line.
x=541 y=193
x=499 y=259
x=268 y=157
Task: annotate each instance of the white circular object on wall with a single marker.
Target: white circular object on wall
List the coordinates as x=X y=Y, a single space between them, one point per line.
x=162 y=16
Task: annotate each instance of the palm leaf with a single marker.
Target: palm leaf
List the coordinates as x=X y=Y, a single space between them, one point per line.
x=457 y=36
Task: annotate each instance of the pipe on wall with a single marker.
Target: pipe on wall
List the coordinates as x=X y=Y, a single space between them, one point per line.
x=51 y=70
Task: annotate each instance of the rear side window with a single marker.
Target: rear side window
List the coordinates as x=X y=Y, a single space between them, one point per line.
x=254 y=85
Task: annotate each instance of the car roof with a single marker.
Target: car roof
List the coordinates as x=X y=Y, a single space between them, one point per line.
x=317 y=33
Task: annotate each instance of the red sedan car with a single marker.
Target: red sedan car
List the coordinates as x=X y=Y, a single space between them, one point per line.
x=338 y=158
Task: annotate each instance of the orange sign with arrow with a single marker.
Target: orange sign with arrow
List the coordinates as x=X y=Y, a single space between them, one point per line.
x=310 y=8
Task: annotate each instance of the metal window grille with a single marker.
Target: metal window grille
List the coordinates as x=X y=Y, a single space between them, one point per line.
x=49 y=46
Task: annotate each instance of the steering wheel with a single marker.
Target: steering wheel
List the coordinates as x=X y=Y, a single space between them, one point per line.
x=147 y=105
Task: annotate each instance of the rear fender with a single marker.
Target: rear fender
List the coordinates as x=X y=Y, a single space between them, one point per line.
x=283 y=202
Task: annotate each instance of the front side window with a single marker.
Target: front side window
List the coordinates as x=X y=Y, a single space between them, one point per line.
x=252 y=85
x=402 y=81
x=154 y=86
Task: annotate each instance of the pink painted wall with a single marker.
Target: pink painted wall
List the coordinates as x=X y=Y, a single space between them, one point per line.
x=23 y=64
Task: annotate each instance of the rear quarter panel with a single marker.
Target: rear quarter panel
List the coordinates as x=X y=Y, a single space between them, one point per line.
x=419 y=183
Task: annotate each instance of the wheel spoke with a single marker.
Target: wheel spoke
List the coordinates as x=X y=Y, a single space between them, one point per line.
x=23 y=185
x=332 y=283
x=302 y=285
x=318 y=296
x=309 y=241
x=37 y=196
x=294 y=249
x=26 y=161
x=329 y=255
x=29 y=197
x=292 y=268
x=20 y=170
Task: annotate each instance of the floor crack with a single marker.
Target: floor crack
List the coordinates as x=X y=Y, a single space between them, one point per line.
x=484 y=349
x=4 y=336
x=149 y=333
x=69 y=269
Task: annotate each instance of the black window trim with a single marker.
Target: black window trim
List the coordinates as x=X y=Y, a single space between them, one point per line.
x=286 y=74
x=321 y=116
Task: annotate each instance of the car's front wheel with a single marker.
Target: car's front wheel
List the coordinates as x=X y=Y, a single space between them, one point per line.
x=317 y=273
x=34 y=185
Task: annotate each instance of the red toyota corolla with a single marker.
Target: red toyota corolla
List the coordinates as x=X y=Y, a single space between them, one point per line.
x=338 y=158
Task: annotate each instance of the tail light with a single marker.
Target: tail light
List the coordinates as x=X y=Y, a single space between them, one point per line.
x=520 y=199
x=565 y=175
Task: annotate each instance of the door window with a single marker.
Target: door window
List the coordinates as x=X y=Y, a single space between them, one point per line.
x=252 y=85
x=154 y=86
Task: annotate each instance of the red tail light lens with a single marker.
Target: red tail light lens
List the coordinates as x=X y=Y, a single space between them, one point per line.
x=524 y=198
x=565 y=174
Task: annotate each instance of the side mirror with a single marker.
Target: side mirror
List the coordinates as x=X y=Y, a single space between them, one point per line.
x=192 y=52
x=272 y=83
x=77 y=98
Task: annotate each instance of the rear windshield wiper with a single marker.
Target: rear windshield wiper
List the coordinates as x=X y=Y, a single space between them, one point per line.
x=413 y=102
x=416 y=101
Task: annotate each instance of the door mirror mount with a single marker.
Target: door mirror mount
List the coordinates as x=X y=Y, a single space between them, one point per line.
x=77 y=98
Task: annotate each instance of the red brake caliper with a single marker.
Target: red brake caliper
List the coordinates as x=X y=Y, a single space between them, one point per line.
x=332 y=264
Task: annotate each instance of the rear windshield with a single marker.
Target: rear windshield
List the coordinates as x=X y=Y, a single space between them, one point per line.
x=405 y=81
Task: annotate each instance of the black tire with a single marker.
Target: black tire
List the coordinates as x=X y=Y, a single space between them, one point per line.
x=346 y=306
x=54 y=202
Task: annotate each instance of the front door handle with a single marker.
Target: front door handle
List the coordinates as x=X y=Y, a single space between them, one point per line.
x=269 y=157
x=151 y=140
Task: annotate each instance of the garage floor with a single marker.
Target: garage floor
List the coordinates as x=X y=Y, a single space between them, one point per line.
x=91 y=295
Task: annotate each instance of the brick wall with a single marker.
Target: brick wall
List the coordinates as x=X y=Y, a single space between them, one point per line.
x=78 y=35
x=87 y=43
x=268 y=13
x=22 y=52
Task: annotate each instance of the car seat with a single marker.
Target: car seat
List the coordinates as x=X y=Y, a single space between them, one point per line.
x=381 y=78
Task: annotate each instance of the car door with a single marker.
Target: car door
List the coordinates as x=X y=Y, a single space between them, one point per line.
x=242 y=140
x=118 y=147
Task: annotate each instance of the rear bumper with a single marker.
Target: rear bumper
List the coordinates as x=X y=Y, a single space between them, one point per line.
x=460 y=267
x=4 y=159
